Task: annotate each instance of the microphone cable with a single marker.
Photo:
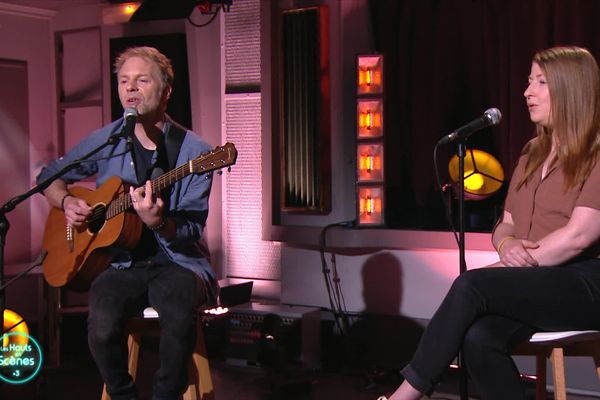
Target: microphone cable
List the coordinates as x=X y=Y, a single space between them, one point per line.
x=97 y=159
x=334 y=291
x=447 y=205
x=115 y=136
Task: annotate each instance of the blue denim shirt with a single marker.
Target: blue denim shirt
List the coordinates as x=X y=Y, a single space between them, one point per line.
x=188 y=201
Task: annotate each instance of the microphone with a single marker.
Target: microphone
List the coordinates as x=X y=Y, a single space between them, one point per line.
x=130 y=114
x=490 y=117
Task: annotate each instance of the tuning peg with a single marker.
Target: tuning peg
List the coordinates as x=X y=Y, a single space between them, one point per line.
x=229 y=169
x=219 y=172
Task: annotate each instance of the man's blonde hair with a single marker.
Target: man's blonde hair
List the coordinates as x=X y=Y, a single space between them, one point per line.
x=151 y=54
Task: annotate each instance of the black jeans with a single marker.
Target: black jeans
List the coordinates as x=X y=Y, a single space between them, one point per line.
x=487 y=311
x=116 y=295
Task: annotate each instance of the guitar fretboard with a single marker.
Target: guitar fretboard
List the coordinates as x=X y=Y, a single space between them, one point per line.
x=220 y=157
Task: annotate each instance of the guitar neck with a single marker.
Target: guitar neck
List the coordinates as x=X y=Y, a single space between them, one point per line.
x=174 y=175
x=124 y=203
x=219 y=157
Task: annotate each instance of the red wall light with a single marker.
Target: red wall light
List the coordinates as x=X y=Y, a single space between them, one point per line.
x=370 y=177
x=370 y=162
x=369 y=118
x=370 y=74
x=370 y=205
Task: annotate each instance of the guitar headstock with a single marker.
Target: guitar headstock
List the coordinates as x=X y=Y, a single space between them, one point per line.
x=219 y=157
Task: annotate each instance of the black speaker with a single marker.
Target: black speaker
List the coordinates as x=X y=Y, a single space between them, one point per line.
x=273 y=336
x=163 y=9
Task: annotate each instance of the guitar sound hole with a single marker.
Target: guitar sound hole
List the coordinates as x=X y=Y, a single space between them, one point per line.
x=97 y=218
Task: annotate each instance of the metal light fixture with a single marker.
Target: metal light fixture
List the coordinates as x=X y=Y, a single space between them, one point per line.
x=370 y=176
x=370 y=74
x=483 y=174
x=369 y=118
x=14 y=323
x=370 y=162
x=370 y=205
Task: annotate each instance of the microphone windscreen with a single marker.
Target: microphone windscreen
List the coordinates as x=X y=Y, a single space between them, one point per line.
x=494 y=115
x=130 y=112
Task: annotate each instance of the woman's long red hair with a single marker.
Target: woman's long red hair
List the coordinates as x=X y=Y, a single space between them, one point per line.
x=574 y=82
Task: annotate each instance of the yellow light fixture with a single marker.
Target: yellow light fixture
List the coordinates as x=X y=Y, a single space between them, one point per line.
x=483 y=174
x=14 y=323
x=474 y=181
x=119 y=13
x=130 y=8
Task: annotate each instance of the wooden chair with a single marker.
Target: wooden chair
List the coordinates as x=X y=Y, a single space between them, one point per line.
x=555 y=346
x=200 y=381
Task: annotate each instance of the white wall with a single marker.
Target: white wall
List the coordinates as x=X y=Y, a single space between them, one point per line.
x=381 y=281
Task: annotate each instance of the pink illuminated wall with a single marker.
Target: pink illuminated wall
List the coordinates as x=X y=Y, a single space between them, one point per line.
x=14 y=156
x=246 y=254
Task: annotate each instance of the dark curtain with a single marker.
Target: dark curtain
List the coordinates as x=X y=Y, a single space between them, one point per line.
x=446 y=62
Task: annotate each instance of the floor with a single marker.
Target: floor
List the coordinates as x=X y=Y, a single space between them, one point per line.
x=77 y=379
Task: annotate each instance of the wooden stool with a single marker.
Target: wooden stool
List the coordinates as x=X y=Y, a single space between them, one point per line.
x=200 y=381
x=557 y=345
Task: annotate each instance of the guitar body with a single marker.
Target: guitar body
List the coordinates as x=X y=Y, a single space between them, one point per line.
x=76 y=256
x=79 y=261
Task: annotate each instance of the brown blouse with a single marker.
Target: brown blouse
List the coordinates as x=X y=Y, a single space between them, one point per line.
x=542 y=206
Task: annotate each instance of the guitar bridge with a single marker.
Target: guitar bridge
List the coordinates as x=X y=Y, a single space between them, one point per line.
x=70 y=237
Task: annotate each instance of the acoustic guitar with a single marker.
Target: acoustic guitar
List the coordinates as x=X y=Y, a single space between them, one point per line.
x=76 y=256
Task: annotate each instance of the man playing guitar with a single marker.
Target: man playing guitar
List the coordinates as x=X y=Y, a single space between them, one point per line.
x=160 y=260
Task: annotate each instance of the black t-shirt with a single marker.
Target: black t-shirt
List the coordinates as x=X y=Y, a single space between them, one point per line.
x=147 y=247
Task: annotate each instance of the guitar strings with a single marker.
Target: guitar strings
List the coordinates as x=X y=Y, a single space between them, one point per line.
x=123 y=202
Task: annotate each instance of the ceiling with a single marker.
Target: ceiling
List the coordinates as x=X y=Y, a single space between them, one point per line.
x=55 y=4
x=149 y=10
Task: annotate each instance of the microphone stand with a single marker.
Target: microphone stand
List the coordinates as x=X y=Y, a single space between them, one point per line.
x=12 y=203
x=461 y=148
